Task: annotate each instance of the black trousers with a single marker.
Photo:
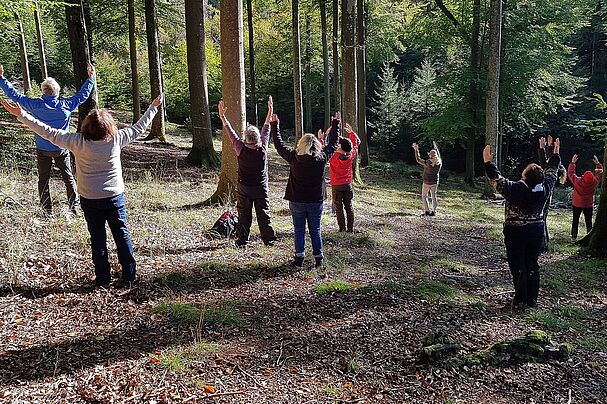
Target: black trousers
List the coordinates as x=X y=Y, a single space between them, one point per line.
x=342 y=199
x=245 y=218
x=576 y=220
x=523 y=246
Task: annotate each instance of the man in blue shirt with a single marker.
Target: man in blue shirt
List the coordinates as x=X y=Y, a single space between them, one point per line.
x=55 y=112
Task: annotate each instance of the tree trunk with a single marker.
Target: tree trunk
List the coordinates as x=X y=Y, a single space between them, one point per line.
x=252 y=64
x=308 y=109
x=86 y=8
x=493 y=88
x=474 y=93
x=348 y=38
x=202 y=152
x=325 y=64
x=158 y=129
x=361 y=76
x=79 y=46
x=134 y=67
x=297 y=70
x=40 y=39
x=25 y=71
x=336 y=75
x=233 y=93
x=598 y=236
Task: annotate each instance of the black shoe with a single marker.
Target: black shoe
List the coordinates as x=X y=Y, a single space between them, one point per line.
x=318 y=262
x=127 y=284
x=425 y=214
x=270 y=243
x=297 y=262
x=240 y=244
x=432 y=213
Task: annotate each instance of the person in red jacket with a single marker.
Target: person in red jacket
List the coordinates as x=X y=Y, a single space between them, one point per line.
x=340 y=172
x=584 y=188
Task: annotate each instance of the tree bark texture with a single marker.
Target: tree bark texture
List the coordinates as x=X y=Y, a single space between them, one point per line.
x=493 y=87
x=158 y=128
x=361 y=75
x=336 y=74
x=308 y=78
x=135 y=91
x=86 y=8
x=79 y=46
x=25 y=71
x=40 y=39
x=598 y=237
x=325 y=64
x=202 y=152
x=254 y=111
x=297 y=98
x=348 y=41
x=233 y=93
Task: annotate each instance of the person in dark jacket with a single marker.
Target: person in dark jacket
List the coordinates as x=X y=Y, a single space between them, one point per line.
x=524 y=221
x=545 y=151
x=305 y=185
x=431 y=173
x=252 y=153
x=584 y=188
x=55 y=112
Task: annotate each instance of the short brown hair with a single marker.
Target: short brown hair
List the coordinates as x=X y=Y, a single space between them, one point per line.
x=98 y=125
x=533 y=174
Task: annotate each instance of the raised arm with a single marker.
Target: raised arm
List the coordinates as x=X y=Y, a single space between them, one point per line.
x=58 y=137
x=435 y=147
x=128 y=135
x=12 y=93
x=284 y=151
x=598 y=169
x=571 y=170
x=265 y=131
x=237 y=143
x=331 y=145
x=501 y=184
x=417 y=156
x=552 y=166
x=81 y=96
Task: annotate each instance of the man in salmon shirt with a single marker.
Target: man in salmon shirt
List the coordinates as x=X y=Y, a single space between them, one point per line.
x=584 y=188
x=340 y=171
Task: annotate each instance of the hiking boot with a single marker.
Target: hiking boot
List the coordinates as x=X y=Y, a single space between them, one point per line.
x=432 y=213
x=270 y=243
x=127 y=284
x=297 y=262
x=425 y=214
x=240 y=244
x=319 y=262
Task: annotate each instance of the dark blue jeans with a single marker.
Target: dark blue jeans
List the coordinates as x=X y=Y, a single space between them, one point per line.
x=113 y=211
x=310 y=213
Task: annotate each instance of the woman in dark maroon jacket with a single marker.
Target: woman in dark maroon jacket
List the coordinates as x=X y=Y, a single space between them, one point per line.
x=304 y=187
x=584 y=188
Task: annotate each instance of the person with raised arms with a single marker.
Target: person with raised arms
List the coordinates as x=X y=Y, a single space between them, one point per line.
x=252 y=154
x=584 y=188
x=305 y=185
x=432 y=168
x=55 y=112
x=100 y=184
x=524 y=221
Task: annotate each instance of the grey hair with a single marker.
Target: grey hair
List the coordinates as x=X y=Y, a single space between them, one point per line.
x=434 y=158
x=50 y=87
x=308 y=144
x=251 y=135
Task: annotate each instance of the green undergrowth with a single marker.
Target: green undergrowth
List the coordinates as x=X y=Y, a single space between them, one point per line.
x=337 y=286
x=179 y=359
x=221 y=313
x=560 y=318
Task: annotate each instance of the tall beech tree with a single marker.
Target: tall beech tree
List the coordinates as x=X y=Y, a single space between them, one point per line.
x=40 y=39
x=493 y=85
x=135 y=89
x=335 y=46
x=252 y=84
x=325 y=64
x=25 y=71
x=81 y=58
x=202 y=141
x=297 y=97
x=361 y=76
x=308 y=77
x=151 y=28
x=233 y=93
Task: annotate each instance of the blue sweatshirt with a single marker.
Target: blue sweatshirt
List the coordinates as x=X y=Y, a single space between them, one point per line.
x=51 y=110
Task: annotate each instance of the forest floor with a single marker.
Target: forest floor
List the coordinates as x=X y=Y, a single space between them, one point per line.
x=212 y=322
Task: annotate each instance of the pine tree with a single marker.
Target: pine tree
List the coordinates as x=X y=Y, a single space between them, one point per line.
x=388 y=111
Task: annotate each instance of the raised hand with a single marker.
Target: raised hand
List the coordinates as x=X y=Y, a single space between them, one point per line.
x=14 y=110
x=158 y=100
x=321 y=135
x=487 y=156
x=415 y=147
x=270 y=109
x=91 y=71
x=542 y=142
x=574 y=159
x=557 y=145
x=222 y=110
x=348 y=128
x=595 y=160
x=1 y=70
x=549 y=140
x=274 y=118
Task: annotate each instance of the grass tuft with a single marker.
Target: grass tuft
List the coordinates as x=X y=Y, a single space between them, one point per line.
x=334 y=287
x=433 y=290
x=181 y=313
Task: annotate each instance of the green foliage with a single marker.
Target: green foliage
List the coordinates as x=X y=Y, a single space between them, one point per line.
x=182 y=313
x=433 y=290
x=388 y=111
x=222 y=313
x=334 y=287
